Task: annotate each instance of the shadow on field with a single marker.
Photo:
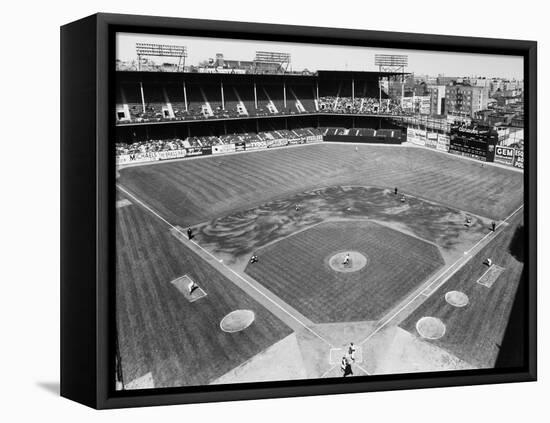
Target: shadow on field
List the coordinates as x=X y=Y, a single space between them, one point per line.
x=512 y=350
x=517 y=244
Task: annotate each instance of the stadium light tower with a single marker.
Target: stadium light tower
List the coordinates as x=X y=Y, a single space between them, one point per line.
x=395 y=63
x=392 y=63
x=273 y=57
x=161 y=50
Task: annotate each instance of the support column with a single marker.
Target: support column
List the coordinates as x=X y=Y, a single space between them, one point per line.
x=142 y=96
x=185 y=96
x=317 y=87
x=255 y=96
x=223 y=99
x=284 y=95
x=353 y=90
x=379 y=95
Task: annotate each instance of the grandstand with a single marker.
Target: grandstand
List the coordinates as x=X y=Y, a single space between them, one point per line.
x=149 y=97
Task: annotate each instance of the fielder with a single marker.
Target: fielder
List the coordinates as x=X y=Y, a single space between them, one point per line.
x=346 y=260
x=191 y=287
x=351 y=351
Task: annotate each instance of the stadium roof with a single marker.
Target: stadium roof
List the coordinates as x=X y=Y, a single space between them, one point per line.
x=198 y=76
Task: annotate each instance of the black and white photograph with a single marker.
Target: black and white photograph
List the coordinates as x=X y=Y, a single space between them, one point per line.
x=275 y=212
x=289 y=211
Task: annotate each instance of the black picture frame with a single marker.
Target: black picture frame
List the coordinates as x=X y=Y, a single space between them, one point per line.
x=87 y=195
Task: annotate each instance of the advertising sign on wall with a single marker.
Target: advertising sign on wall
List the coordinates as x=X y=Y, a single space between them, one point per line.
x=279 y=142
x=518 y=161
x=223 y=148
x=431 y=139
x=504 y=154
x=443 y=142
x=314 y=138
x=255 y=145
x=150 y=156
x=416 y=136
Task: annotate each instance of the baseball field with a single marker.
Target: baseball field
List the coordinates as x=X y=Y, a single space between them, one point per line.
x=301 y=210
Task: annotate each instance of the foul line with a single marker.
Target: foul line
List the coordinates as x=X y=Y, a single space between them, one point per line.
x=464 y=261
x=328 y=371
x=153 y=212
x=496 y=227
x=337 y=365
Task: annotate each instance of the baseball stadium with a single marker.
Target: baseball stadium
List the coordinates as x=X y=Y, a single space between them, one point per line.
x=272 y=225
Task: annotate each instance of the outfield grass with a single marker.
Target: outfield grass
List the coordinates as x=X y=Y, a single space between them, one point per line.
x=188 y=192
x=159 y=330
x=295 y=269
x=475 y=332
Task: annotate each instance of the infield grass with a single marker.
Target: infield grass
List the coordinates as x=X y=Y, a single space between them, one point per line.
x=296 y=269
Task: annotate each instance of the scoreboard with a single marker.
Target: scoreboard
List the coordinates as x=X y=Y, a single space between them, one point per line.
x=478 y=142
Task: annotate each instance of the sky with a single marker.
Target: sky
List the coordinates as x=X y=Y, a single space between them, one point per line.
x=329 y=57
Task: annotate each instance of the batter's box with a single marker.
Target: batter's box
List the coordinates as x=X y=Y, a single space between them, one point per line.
x=183 y=283
x=490 y=276
x=336 y=354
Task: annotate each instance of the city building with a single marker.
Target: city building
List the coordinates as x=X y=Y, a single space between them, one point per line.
x=465 y=99
x=437 y=99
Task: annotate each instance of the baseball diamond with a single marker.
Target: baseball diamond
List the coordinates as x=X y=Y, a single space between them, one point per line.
x=346 y=206
x=277 y=225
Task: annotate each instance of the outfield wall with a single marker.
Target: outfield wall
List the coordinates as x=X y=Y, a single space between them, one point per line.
x=486 y=152
x=152 y=156
x=362 y=139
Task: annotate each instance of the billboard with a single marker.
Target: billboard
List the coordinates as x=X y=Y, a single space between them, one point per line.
x=150 y=156
x=314 y=138
x=255 y=145
x=223 y=148
x=504 y=154
x=296 y=140
x=474 y=141
x=443 y=142
x=416 y=136
x=278 y=142
x=431 y=139
x=518 y=161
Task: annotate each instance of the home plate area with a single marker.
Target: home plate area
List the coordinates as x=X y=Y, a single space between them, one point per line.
x=336 y=354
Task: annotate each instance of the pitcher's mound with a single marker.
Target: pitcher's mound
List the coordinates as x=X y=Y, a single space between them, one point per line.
x=356 y=261
x=430 y=328
x=237 y=320
x=456 y=298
